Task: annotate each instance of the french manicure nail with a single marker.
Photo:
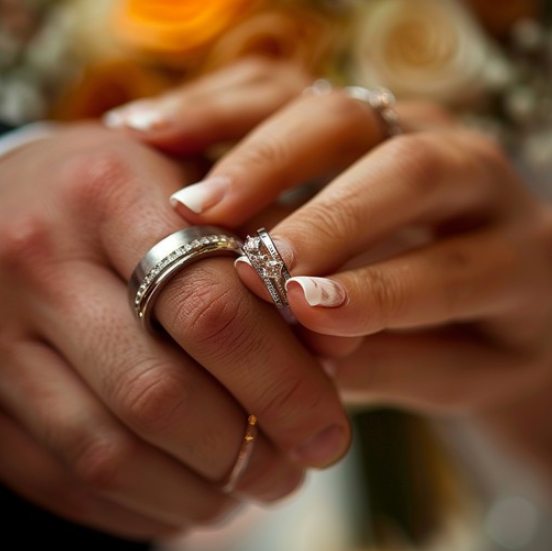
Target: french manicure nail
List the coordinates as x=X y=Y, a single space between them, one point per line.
x=201 y=196
x=319 y=291
x=243 y=259
x=322 y=448
x=143 y=115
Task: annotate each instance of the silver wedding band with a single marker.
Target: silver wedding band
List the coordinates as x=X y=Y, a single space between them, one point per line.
x=170 y=256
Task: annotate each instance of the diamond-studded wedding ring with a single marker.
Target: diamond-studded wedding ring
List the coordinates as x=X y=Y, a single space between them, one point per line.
x=381 y=100
x=171 y=255
x=267 y=262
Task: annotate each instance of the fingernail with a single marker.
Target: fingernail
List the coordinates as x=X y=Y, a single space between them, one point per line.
x=319 y=291
x=143 y=115
x=323 y=448
x=201 y=196
x=243 y=259
x=329 y=366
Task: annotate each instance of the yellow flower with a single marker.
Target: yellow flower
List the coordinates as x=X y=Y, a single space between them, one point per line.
x=176 y=28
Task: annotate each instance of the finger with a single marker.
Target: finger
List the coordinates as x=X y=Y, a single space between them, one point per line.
x=424 y=181
x=289 y=399
x=31 y=471
x=305 y=141
x=95 y=448
x=238 y=340
x=218 y=107
x=464 y=277
x=326 y=345
x=159 y=392
x=438 y=371
x=323 y=346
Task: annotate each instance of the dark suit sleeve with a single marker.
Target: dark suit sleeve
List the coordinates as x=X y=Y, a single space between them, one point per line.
x=43 y=530
x=5 y=128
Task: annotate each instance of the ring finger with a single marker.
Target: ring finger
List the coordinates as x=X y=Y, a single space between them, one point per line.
x=159 y=391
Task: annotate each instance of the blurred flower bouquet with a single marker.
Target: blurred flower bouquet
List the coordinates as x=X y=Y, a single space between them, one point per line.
x=490 y=62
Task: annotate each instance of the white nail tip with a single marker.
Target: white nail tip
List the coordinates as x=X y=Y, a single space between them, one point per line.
x=320 y=291
x=200 y=196
x=193 y=197
x=139 y=116
x=113 y=119
x=242 y=259
x=144 y=120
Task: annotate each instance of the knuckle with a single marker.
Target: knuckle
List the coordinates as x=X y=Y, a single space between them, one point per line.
x=94 y=180
x=422 y=160
x=325 y=221
x=268 y=150
x=97 y=458
x=386 y=295
x=25 y=242
x=153 y=399
x=211 y=311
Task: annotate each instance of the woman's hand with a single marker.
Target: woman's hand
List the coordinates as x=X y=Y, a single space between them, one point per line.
x=110 y=426
x=435 y=260
x=214 y=109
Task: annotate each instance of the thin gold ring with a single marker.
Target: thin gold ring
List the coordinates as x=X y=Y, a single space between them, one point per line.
x=244 y=455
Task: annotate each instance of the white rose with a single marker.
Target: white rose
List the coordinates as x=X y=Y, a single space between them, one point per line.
x=425 y=49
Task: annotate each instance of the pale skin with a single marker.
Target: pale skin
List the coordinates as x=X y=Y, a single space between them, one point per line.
x=435 y=259
x=109 y=426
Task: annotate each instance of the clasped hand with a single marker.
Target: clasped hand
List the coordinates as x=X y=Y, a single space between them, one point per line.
x=103 y=423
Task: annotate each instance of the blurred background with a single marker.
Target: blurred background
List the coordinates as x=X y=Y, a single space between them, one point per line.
x=409 y=483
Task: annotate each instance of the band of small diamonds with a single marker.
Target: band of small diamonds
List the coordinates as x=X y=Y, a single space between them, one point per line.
x=267 y=262
x=170 y=256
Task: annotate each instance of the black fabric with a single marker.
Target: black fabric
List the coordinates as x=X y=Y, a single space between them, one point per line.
x=25 y=526
x=5 y=128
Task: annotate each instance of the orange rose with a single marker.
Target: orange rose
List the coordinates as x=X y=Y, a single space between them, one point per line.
x=286 y=32
x=105 y=85
x=176 y=28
